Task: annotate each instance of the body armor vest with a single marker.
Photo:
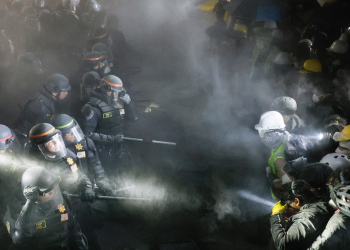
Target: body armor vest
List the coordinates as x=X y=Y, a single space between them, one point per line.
x=51 y=229
x=80 y=149
x=111 y=122
x=46 y=101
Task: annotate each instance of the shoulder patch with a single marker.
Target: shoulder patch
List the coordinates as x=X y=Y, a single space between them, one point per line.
x=87 y=111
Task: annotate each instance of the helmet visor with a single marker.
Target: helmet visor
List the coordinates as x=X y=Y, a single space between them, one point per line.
x=72 y=135
x=112 y=97
x=54 y=149
x=51 y=200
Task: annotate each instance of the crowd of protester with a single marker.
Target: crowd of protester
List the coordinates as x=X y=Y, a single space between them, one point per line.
x=304 y=58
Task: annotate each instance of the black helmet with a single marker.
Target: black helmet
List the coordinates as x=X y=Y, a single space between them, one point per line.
x=285 y=105
x=100 y=47
x=48 y=140
x=57 y=83
x=97 y=62
x=32 y=23
x=7 y=137
x=39 y=177
x=90 y=81
x=42 y=4
x=111 y=83
x=99 y=33
x=70 y=129
x=29 y=62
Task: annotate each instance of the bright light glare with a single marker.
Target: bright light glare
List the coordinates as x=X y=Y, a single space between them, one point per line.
x=252 y=197
x=320 y=136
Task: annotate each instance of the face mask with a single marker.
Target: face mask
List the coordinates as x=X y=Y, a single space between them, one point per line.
x=315 y=98
x=273 y=139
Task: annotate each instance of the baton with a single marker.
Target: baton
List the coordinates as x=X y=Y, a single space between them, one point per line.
x=150 y=141
x=101 y=197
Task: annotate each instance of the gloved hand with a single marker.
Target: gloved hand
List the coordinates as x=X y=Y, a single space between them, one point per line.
x=31 y=193
x=117 y=139
x=279 y=208
x=125 y=98
x=87 y=194
x=105 y=187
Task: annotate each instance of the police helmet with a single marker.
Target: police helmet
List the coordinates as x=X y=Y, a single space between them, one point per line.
x=91 y=79
x=100 y=47
x=99 y=33
x=68 y=127
x=57 y=83
x=39 y=177
x=49 y=141
x=6 y=137
x=111 y=83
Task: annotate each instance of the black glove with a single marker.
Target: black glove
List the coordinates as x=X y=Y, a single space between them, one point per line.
x=87 y=194
x=31 y=193
x=105 y=187
x=117 y=139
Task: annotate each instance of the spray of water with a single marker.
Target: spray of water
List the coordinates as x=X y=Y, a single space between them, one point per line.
x=249 y=196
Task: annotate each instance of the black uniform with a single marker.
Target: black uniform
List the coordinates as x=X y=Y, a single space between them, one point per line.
x=48 y=226
x=100 y=117
x=71 y=178
x=89 y=161
x=36 y=110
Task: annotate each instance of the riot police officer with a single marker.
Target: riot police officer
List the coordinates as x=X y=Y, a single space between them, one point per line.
x=45 y=221
x=48 y=148
x=86 y=152
x=93 y=61
x=84 y=148
x=89 y=81
x=44 y=104
x=11 y=170
x=104 y=113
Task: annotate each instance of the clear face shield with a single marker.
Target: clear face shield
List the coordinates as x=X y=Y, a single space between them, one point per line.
x=51 y=199
x=54 y=149
x=112 y=97
x=72 y=135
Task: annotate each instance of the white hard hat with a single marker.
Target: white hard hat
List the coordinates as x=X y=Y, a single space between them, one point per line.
x=270 y=120
x=338 y=46
x=335 y=160
x=283 y=58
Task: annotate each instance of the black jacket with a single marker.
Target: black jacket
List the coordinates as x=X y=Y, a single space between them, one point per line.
x=303 y=228
x=336 y=235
